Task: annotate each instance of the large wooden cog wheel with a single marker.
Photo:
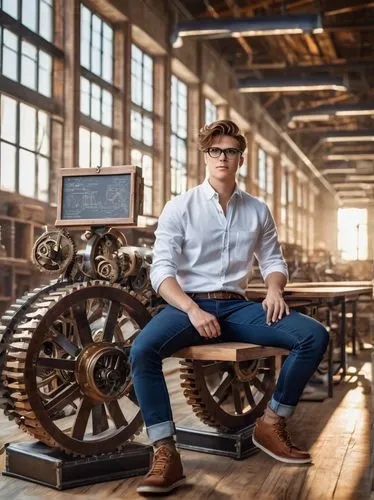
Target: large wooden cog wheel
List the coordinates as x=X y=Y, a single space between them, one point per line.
x=228 y=395
x=67 y=368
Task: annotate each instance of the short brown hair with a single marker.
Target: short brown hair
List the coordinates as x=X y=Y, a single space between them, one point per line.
x=220 y=127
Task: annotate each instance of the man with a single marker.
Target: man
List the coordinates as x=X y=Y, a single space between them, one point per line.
x=205 y=242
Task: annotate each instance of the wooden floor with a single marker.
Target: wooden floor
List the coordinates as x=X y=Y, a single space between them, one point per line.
x=337 y=431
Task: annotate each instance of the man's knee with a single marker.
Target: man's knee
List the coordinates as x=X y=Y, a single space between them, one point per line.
x=142 y=352
x=319 y=338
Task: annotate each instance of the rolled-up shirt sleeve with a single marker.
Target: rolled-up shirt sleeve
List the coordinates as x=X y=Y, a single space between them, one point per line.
x=168 y=245
x=268 y=251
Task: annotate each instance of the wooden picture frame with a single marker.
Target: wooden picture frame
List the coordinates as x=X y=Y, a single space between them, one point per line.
x=108 y=196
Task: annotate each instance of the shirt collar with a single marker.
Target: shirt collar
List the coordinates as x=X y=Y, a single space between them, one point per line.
x=210 y=192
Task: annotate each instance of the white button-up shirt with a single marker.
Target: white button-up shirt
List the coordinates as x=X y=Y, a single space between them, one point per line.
x=207 y=251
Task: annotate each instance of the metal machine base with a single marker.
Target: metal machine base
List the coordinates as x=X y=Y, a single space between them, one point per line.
x=36 y=462
x=237 y=445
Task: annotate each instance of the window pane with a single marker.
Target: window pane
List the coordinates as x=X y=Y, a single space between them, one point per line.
x=10 y=7
x=8 y=118
x=43 y=133
x=95 y=102
x=136 y=53
x=85 y=53
x=96 y=32
x=85 y=96
x=45 y=74
x=85 y=36
x=43 y=179
x=147 y=131
x=28 y=65
x=147 y=97
x=26 y=173
x=147 y=170
x=136 y=158
x=45 y=21
x=8 y=167
x=107 y=60
x=95 y=61
x=136 y=125
x=95 y=150
x=148 y=69
x=136 y=90
x=107 y=108
x=29 y=14
x=84 y=147
x=27 y=126
x=107 y=151
x=10 y=55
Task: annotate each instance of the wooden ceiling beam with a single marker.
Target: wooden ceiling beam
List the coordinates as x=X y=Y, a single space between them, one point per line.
x=338 y=7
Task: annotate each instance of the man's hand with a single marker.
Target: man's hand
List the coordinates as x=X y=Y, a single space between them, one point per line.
x=275 y=305
x=205 y=323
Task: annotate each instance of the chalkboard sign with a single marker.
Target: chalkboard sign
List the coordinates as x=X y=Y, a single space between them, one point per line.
x=99 y=197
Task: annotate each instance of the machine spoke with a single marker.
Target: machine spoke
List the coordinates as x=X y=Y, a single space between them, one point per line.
x=99 y=419
x=83 y=327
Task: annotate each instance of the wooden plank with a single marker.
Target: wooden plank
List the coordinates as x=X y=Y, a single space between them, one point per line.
x=229 y=351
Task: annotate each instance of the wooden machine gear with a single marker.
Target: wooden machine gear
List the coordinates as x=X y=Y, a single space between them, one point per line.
x=228 y=395
x=87 y=372
x=53 y=252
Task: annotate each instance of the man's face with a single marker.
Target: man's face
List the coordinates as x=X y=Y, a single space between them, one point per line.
x=223 y=167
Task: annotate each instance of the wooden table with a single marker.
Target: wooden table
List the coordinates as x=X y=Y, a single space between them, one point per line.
x=324 y=295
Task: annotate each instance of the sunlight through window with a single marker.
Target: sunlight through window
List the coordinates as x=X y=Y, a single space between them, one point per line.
x=352 y=233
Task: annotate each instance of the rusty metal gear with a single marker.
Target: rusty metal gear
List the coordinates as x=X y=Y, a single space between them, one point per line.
x=225 y=395
x=53 y=252
x=93 y=375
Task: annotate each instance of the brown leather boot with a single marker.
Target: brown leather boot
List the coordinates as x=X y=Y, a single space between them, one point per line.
x=274 y=440
x=166 y=472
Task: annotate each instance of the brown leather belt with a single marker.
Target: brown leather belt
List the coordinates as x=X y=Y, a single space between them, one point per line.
x=216 y=295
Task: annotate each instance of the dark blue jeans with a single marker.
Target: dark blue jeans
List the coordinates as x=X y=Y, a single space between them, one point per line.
x=240 y=321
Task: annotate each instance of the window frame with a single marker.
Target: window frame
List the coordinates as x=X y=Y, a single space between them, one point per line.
x=180 y=167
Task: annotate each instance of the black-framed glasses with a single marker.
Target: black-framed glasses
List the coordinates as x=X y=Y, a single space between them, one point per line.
x=230 y=153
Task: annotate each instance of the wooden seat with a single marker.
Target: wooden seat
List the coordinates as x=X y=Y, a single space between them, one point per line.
x=229 y=351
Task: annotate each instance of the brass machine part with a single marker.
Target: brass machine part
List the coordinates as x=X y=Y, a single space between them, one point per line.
x=53 y=252
x=102 y=371
x=100 y=256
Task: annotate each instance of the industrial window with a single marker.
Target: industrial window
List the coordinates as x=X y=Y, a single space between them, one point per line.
x=261 y=170
x=25 y=149
x=290 y=208
x=265 y=177
x=94 y=149
x=311 y=219
x=243 y=172
x=179 y=107
x=37 y=15
x=283 y=207
x=96 y=90
x=96 y=45
x=270 y=182
x=142 y=87
x=25 y=63
x=210 y=111
x=145 y=161
x=353 y=233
